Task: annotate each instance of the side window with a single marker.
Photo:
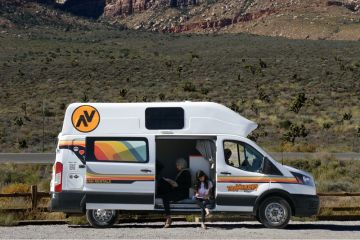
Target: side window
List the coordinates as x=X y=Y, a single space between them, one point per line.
x=164 y=118
x=243 y=156
x=234 y=153
x=117 y=150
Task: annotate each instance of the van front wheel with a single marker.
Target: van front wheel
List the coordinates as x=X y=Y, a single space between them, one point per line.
x=275 y=212
x=101 y=218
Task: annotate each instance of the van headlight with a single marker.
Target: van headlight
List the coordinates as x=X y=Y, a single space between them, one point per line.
x=303 y=179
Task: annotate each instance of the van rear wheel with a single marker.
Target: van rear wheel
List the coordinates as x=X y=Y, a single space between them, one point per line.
x=274 y=212
x=101 y=218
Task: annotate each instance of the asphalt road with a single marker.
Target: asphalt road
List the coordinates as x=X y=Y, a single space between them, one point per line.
x=184 y=230
x=50 y=157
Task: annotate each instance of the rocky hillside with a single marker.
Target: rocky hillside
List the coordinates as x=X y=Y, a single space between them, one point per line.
x=296 y=19
x=310 y=19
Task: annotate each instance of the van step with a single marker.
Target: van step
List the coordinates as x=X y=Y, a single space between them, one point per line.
x=178 y=206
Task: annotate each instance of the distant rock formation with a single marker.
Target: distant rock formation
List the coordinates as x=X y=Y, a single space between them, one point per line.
x=125 y=7
x=115 y=8
x=353 y=5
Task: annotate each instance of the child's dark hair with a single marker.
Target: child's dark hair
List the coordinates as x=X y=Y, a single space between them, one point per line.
x=200 y=174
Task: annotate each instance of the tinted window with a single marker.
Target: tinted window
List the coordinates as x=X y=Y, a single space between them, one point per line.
x=164 y=118
x=243 y=156
x=117 y=150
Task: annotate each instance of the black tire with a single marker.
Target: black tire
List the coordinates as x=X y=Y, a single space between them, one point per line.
x=274 y=212
x=101 y=218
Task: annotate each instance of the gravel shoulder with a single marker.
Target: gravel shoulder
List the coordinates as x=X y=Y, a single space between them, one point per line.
x=185 y=230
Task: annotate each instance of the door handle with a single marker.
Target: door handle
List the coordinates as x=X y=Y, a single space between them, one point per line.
x=225 y=173
x=145 y=170
x=82 y=166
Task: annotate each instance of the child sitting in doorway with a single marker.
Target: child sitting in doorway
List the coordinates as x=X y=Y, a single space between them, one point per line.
x=203 y=193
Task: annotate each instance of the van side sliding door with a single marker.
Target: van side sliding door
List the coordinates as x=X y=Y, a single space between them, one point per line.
x=120 y=173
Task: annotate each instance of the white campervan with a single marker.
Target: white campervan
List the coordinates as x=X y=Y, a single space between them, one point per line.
x=108 y=158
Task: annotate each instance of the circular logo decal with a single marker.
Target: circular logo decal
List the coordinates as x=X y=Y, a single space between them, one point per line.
x=85 y=118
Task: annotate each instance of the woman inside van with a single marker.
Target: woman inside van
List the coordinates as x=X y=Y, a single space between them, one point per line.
x=203 y=193
x=175 y=190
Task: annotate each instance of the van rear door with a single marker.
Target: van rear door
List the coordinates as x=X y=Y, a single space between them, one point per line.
x=120 y=173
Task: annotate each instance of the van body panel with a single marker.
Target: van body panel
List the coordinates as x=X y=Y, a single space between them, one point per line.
x=235 y=187
x=129 y=118
x=117 y=182
x=93 y=182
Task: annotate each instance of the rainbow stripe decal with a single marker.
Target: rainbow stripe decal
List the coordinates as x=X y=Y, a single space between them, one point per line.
x=129 y=151
x=92 y=177
x=255 y=179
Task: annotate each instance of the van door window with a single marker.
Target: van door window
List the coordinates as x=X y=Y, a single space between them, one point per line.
x=243 y=156
x=132 y=150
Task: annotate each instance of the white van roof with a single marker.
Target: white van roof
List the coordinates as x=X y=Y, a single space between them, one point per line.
x=129 y=118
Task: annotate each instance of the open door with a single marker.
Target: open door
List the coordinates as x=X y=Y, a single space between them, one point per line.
x=120 y=173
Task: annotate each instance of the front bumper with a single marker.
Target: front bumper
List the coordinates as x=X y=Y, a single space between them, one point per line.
x=305 y=205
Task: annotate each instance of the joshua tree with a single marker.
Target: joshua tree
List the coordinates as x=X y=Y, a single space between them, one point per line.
x=85 y=98
x=123 y=92
x=298 y=103
x=295 y=131
x=18 y=122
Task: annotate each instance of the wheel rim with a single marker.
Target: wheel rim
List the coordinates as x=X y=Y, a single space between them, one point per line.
x=275 y=213
x=103 y=216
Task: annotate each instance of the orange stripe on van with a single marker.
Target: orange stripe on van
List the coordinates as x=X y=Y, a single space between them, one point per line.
x=106 y=177
x=71 y=143
x=238 y=179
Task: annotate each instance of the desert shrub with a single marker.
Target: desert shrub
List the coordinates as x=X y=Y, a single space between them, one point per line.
x=18 y=121
x=125 y=52
x=252 y=69
x=48 y=113
x=298 y=147
x=263 y=96
x=162 y=96
x=204 y=90
x=262 y=63
x=8 y=219
x=337 y=186
x=22 y=144
x=327 y=125
x=295 y=131
x=194 y=56
x=62 y=106
x=77 y=220
x=24 y=174
x=285 y=124
x=189 y=87
x=16 y=188
x=190 y=218
x=347 y=116
x=234 y=106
